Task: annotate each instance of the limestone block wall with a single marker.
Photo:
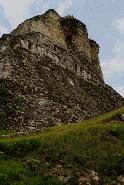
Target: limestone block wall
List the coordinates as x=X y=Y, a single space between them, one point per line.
x=5 y=69
x=63 y=40
x=48 y=24
x=81 y=43
x=59 y=56
x=2 y=48
x=94 y=51
x=3 y=43
x=67 y=31
x=76 y=35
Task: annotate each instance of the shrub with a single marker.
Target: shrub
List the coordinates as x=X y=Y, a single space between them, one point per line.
x=23 y=147
x=32 y=164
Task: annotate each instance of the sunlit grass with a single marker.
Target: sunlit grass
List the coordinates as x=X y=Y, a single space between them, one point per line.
x=95 y=144
x=7 y=132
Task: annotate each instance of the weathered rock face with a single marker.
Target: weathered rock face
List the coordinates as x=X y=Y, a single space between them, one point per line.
x=50 y=74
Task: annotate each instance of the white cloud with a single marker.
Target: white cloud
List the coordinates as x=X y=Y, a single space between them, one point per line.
x=63 y=6
x=59 y=5
x=16 y=11
x=119 y=48
x=120 y=90
x=45 y=6
x=119 y=25
x=3 y=30
x=114 y=67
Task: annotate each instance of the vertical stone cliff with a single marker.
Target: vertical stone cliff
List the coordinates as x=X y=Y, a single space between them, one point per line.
x=94 y=51
x=71 y=35
x=50 y=74
x=48 y=24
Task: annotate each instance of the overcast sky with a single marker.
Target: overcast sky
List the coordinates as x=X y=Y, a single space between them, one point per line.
x=104 y=20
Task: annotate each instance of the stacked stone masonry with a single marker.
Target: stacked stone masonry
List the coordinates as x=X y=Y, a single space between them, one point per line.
x=58 y=53
x=52 y=28
x=50 y=74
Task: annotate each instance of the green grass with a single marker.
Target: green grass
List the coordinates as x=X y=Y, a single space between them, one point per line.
x=95 y=144
x=7 y=132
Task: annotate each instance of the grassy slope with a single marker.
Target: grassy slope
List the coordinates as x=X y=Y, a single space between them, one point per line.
x=95 y=144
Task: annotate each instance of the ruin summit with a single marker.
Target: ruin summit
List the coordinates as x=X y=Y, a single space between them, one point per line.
x=56 y=38
x=50 y=74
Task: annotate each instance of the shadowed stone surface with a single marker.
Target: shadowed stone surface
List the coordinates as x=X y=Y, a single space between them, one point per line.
x=50 y=74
